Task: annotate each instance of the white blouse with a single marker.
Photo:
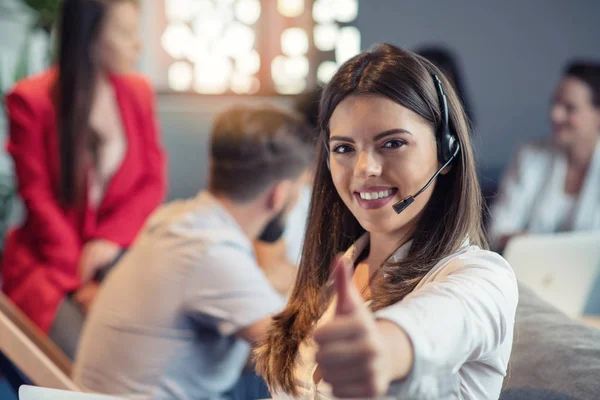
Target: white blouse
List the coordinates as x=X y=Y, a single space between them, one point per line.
x=566 y=206
x=532 y=198
x=110 y=157
x=460 y=320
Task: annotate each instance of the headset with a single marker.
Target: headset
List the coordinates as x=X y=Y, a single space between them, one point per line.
x=448 y=147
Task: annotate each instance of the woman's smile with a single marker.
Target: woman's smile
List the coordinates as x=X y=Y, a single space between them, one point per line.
x=374 y=197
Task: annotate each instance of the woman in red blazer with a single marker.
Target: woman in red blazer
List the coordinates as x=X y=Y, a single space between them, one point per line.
x=89 y=164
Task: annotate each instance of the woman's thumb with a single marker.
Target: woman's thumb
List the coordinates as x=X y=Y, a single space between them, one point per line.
x=348 y=298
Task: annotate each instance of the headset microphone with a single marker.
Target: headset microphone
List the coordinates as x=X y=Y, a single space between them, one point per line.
x=448 y=148
x=407 y=201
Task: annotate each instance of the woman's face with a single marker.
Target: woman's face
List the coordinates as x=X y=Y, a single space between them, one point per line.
x=119 y=43
x=381 y=152
x=575 y=119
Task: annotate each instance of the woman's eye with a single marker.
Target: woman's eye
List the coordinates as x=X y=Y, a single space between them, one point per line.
x=394 y=144
x=342 y=148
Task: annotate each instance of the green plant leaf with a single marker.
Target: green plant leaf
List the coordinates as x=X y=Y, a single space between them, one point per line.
x=47 y=11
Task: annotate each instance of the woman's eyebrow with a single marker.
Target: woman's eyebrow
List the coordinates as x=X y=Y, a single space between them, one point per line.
x=390 y=132
x=375 y=138
x=341 y=139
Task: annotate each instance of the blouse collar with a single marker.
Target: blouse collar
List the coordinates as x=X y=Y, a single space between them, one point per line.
x=361 y=243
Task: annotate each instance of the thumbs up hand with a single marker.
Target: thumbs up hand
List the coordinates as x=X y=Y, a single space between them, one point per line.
x=352 y=357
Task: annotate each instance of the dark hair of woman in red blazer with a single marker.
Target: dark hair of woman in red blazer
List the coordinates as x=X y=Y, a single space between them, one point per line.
x=89 y=163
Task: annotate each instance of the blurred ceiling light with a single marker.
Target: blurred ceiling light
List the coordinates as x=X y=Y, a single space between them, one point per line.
x=248 y=63
x=290 y=8
x=287 y=71
x=216 y=48
x=346 y=10
x=198 y=50
x=325 y=71
x=208 y=27
x=225 y=12
x=178 y=10
x=212 y=75
x=325 y=36
x=278 y=70
x=203 y=7
x=180 y=76
x=176 y=40
x=244 y=84
x=348 y=44
x=247 y=11
x=294 y=42
x=297 y=67
x=323 y=11
x=295 y=87
x=238 y=39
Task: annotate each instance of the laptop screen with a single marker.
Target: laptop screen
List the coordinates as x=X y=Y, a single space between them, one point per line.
x=37 y=393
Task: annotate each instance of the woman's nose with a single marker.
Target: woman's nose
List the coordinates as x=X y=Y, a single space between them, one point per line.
x=557 y=113
x=367 y=165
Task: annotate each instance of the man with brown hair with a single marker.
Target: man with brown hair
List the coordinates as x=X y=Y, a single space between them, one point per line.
x=199 y=299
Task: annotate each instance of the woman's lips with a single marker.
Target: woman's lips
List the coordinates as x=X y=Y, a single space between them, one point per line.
x=374 y=197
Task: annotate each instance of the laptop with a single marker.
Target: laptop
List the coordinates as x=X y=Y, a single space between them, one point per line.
x=38 y=393
x=561 y=268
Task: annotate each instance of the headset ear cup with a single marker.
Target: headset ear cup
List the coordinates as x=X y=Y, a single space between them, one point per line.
x=449 y=147
x=455 y=147
x=450 y=140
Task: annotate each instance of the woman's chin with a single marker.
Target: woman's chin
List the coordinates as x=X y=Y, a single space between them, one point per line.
x=380 y=225
x=562 y=139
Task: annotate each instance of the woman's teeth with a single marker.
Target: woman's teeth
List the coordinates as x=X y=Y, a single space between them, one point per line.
x=375 y=195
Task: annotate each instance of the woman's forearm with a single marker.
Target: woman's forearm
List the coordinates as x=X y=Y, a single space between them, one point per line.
x=400 y=349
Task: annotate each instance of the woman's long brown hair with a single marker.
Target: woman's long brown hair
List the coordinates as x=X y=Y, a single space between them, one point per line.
x=452 y=215
x=81 y=22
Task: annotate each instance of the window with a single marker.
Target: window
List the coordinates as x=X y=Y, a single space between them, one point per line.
x=255 y=47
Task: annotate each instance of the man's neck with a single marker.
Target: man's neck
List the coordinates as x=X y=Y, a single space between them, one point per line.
x=247 y=215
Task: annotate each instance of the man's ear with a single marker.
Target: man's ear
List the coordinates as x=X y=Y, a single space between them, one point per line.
x=279 y=194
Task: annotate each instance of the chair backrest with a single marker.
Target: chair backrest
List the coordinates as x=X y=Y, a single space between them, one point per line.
x=40 y=393
x=553 y=356
x=560 y=268
x=30 y=350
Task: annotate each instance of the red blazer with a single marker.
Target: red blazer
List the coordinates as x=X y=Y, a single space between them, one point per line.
x=40 y=260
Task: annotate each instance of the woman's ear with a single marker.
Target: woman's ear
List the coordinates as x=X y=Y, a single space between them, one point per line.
x=446 y=170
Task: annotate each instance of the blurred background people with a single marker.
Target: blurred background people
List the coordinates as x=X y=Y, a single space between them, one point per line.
x=553 y=184
x=89 y=166
x=280 y=259
x=200 y=299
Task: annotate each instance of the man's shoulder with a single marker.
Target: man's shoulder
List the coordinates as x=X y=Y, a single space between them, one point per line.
x=197 y=220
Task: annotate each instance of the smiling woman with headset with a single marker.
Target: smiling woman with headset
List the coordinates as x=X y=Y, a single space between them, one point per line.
x=417 y=307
